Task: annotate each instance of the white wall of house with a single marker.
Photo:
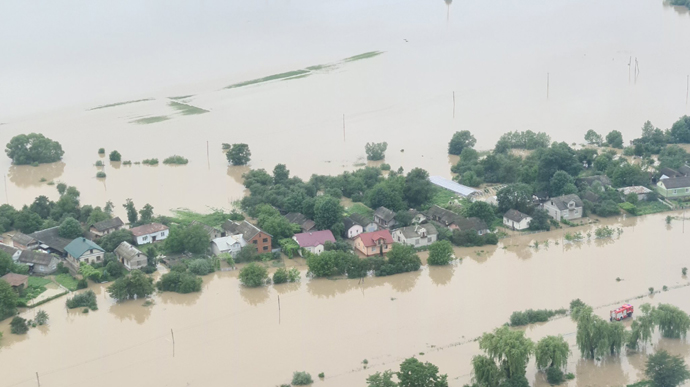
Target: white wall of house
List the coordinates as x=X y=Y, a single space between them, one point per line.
x=417 y=241
x=232 y=250
x=318 y=249
x=354 y=231
x=91 y=256
x=149 y=238
x=522 y=225
x=136 y=263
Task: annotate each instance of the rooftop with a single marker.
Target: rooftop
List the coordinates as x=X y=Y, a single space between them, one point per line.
x=561 y=202
x=638 y=189
x=314 y=238
x=677 y=182
x=224 y=243
x=384 y=213
x=35 y=257
x=79 y=246
x=369 y=238
x=51 y=238
x=450 y=185
x=22 y=239
x=245 y=228
x=147 y=229
x=14 y=279
x=127 y=251
x=107 y=224
x=415 y=231
x=516 y=216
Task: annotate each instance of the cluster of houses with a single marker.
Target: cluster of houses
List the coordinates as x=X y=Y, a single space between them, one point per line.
x=43 y=250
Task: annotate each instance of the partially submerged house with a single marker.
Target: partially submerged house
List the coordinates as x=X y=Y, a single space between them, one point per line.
x=231 y=244
x=678 y=187
x=384 y=217
x=314 y=241
x=39 y=262
x=105 y=227
x=16 y=281
x=83 y=250
x=352 y=228
x=150 y=233
x=638 y=190
x=417 y=235
x=374 y=243
x=516 y=220
x=304 y=223
x=213 y=233
x=567 y=207
x=51 y=241
x=455 y=221
x=24 y=242
x=250 y=233
x=368 y=224
x=131 y=257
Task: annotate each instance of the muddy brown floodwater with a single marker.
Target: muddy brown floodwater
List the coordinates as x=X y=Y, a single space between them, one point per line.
x=231 y=336
x=280 y=75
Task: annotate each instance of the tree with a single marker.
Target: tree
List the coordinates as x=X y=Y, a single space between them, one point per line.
x=506 y=356
x=41 y=317
x=665 y=370
x=115 y=156
x=41 y=206
x=615 y=139
x=414 y=373
x=587 y=156
x=248 y=253
x=470 y=179
x=379 y=379
x=134 y=285
x=278 y=226
x=110 y=241
x=70 y=228
x=280 y=276
x=481 y=210
x=61 y=188
x=643 y=326
x=7 y=216
x=401 y=259
x=280 y=174
x=97 y=215
x=27 y=221
x=8 y=301
x=145 y=214
x=33 y=148
x=440 y=253
x=195 y=239
x=515 y=196
x=376 y=150
x=562 y=184
x=673 y=322
x=593 y=137
x=109 y=207
x=301 y=378
x=680 y=131
x=179 y=281
x=253 y=275
x=200 y=266
x=327 y=212
x=6 y=264
x=418 y=188
x=673 y=156
x=596 y=337
x=131 y=211
x=461 y=140
x=18 y=326
x=627 y=175
x=239 y=154
x=552 y=351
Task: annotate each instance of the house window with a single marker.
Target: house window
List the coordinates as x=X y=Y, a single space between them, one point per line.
x=675 y=191
x=144 y=238
x=416 y=241
x=373 y=249
x=265 y=248
x=254 y=241
x=265 y=240
x=428 y=239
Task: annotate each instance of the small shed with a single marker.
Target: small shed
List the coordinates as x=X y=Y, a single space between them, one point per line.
x=131 y=257
x=639 y=190
x=16 y=281
x=516 y=220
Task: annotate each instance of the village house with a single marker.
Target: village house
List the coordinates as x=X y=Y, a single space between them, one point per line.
x=39 y=262
x=352 y=228
x=588 y=181
x=417 y=217
x=23 y=241
x=669 y=173
x=131 y=257
x=567 y=207
x=11 y=251
x=105 y=227
x=83 y=250
x=471 y=224
x=50 y=240
x=314 y=241
x=454 y=221
x=18 y=282
x=678 y=187
x=302 y=221
x=639 y=190
x=150 y=233
x=231 y=244
x=368 y=224
x=250 y=233
x=384 y=217
x=417 y=235
x=374 y=243
x=213 y=233
x=516 y=220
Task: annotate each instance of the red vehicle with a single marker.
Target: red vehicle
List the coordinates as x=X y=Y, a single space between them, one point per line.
x=625 y=311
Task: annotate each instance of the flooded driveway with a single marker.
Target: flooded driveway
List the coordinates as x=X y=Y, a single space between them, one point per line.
x=229 y=335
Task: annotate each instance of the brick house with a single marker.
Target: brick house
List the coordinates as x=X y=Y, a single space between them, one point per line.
x=250 y=233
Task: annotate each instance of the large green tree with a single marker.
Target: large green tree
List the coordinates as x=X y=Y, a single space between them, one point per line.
x=481 y=210
x=461 y=140
x=8 y=301
x=27 y=221
x=327 y=212
x=515 y=196
x=253 y=275
x=593 y=137
x=70 y=228
x=672 y=321
x=507 y=353
x=414 y=373
x=562 y=184
x=239 y=154
x=680 y=131
x=381 y=379
x=552 y=351
x=376 y=150
x=418 y=188
x=146 y=214
x=42 y=206
x=132 y=215
x=33 y=148
x=134 y=285
x=665 y=370
x=111 y=241
x=615 y=139
x=440 y=253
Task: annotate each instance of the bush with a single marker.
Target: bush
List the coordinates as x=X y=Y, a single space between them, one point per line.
x=99 y=163
x=554 y=376
x=280 y=276
x=127 y=162
x=18 y=326
x=100 y=174
x=301 y=378
x=33 y=148
x=41 y=317
x=101 y=151
x=629 y=208
x=376 y=151
x=200 y=266
x=533 y=316
x=115 y=156
x=82 y=284
x=86 y=299
x=385 y=167
x=150 y=161
x=440 y=253
x=176 y=160
x=321 y=375
x=253 y=275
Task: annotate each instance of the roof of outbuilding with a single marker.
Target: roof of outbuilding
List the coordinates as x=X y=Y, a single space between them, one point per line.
x=107 y=224
x=684 y=170
x=676 y=182
x=147 y=229
x=314 y=238
x=369 y=238
x=127 y=251
x=7 y=249
x=516 y=216
x=603 y=179
x=413 y=231
x=638 y=189
x=51 y=238
x=22 y=239
x=561 y=202
x=224 y=243
x=384 y=213
x=470 y=224
x=361 y=220
x=36 y=257
x=245 y=228
x=671 y=173
x=452 y=186
x=14 y=279
x=79 y=246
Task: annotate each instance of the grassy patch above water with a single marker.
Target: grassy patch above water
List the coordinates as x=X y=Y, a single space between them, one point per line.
x=121 y=103
x=214 y=219
x=268 y=78
x=176 y=160
x=297 y=77
x=67 y=281
x=359 y=208
x=187 y=109
x=443 y=197
x=39 y=281
x=366 y=55
x=150 y=120
x=182 y=96
x=646 y=208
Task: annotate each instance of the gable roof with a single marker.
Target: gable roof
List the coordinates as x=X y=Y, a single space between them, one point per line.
x=305 y=223
x=36 y=258
x=147 y=229
x=361 y=220
x=107 y=224
x=79 y=246
x=684 y=170
x=8 y=249
x=671 y=173
x=22 y=239
x=348 y=223
x=561 y=202
x=224 y=243
x=14 y=279
x=638 y=189
x=413 y=231
x=52 y=239
x=314 y=238
x=384 y=213
x=441 y=214
x=245 y=228
x=516 y=216
x=369 y=238
x=127 y=251
x=676 y=182
x=470 y=224
x=589 y=180
x=450 y=185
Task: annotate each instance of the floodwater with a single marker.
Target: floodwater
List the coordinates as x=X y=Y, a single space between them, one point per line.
x=280 y=75
x=231 y=336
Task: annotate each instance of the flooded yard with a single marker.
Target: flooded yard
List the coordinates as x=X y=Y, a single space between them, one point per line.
x=230 y=335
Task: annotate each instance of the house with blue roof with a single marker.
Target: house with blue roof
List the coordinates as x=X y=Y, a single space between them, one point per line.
x=83 y=250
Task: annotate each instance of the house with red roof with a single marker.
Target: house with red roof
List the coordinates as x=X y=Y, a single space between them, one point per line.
x=314 y=241
x=374 y=243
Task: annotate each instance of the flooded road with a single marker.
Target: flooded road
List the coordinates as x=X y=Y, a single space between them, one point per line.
x=229 y=335
x=280 y=76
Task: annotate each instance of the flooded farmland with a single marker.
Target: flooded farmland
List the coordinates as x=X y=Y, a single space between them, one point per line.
x=229 y=335
x=308 y=83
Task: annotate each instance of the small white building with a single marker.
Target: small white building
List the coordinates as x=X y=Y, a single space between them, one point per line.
x=314 y=241
x=231 y=244
x=516 y=220
x=131 y=257
x=639 y=190
x=150 y=233
x=567 y=207
x=352 y=228
x=417 y=235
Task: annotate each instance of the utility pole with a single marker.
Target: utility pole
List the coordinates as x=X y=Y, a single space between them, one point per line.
x=173 y=340
x=38 y=380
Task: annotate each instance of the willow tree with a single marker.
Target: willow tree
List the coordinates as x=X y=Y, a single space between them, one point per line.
x=596 y=337
x=642 y=327
x=673 y=322
x=507 y=354
x=552 y=351
x=615 y=336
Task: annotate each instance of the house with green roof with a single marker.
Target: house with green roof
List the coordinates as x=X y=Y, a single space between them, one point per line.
x=83 y=250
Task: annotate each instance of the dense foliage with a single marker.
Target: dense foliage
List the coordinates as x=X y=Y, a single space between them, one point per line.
x=134 y=285
x=507 y=353
x=531 y=316
x=33 y=148
x=376 y=150
x=70 y=228
x=665 y=370
x=179 y=281
x=239 y=154
x=440 y=253
x=413 y=373
x=253 y=275
x=459 y=141
x=18 y=326
x=552 y=352
x=8 y=301
x=86 y=299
